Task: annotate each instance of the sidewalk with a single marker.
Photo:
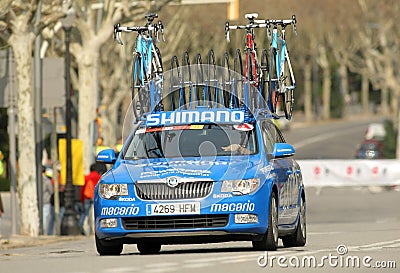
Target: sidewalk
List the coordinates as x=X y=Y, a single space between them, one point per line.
x=9 y=241
x=18 y=241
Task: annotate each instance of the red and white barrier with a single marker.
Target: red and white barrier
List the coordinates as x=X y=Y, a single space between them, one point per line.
x=359 y=172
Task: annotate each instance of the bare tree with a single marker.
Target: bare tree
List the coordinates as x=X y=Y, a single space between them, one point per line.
x=19 y=27
x=95 y=28
x=380 y=41
x=115 y=77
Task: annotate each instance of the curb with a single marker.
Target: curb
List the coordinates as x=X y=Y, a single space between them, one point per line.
x=19 y=241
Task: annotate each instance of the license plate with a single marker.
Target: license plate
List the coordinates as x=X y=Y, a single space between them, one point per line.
x=173 y=208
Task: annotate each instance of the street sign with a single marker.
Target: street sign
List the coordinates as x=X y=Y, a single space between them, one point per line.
x=53 y=81
x=5 y=75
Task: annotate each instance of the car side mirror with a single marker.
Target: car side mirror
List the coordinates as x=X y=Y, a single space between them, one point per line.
x=106 y=156
x=282 y=150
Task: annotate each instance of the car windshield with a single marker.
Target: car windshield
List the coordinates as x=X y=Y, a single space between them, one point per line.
x=194 y=140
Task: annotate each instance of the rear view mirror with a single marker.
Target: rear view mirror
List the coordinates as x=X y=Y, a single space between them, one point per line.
x=282 y=150
x=106 y=156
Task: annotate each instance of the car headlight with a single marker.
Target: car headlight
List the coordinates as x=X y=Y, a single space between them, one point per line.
x=112 y=191
x=240 y=187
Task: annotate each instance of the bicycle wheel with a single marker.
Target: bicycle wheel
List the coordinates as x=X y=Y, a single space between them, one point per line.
x=186 y=78
x=226 y=81
x=264 y=69
x=175 y=77
x=157 y=64
x=288 y=88
x=251 y=96
x=156 y=74
x=139 y=96
x=288 y=104
x=211 y=78
x=200 y=94
x=237 y=80
x=273 y=82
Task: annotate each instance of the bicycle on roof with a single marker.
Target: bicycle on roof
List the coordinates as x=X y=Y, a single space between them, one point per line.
x=147 y=62
x=273 y=75
x=281 y=80
x=252 y=70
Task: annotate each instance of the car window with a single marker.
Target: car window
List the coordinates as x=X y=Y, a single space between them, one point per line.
x=268 y=137
x=189 y=141
x=271 y=135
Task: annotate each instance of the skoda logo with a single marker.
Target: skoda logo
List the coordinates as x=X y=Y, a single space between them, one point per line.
x=172 y=181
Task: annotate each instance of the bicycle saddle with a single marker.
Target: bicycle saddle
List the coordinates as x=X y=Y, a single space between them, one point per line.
x=251 y=16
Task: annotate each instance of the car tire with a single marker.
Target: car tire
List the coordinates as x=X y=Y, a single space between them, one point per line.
x=270 y=239
x=107 y=248
x=148 y=248
x=299 y=237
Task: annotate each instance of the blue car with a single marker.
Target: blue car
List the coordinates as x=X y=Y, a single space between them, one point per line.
x=197 y=176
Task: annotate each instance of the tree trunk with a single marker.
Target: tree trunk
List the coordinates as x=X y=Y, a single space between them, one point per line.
x=308 y=90
x=326 y=83
x=384 y=101
x=365 y=93
x=326 y=93
x=395 y=109
x=113 y=114
x=344 y=86
x=87 y=101
x=21 y=43
x=398 y=135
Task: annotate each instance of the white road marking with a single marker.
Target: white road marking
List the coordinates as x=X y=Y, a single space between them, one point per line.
x=324 y=233
x=231 y=258
x=197 y=265
x=325 y=136
x=121 y=269
x=168 y=264
x=392 y=246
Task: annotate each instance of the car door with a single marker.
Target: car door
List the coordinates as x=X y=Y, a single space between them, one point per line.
x=282 y=169
x=292 y=183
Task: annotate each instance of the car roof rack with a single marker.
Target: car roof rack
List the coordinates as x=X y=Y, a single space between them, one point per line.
x=201 y=87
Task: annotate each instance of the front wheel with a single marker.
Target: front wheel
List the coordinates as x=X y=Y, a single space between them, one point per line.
x=270 y=238
x=105 y=248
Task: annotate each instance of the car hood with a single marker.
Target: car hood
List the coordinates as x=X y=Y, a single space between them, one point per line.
x=224 y=168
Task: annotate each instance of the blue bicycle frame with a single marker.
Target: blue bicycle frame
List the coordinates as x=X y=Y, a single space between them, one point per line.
x=279 y=44
x=144 y=47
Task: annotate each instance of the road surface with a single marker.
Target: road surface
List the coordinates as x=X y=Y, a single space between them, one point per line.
x=366 y=224
x=329 y=140
x=348 y=228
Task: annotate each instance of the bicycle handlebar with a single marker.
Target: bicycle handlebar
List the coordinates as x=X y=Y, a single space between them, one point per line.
x=249 y=26
x=282 y=22
x=261 y=24
x=149 y=27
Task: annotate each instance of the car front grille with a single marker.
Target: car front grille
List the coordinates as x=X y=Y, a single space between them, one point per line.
x=186 y=190
x=176 y=222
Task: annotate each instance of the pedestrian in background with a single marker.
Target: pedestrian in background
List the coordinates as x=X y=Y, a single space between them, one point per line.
x=100 y=146
x=87 y=195
x=47 y=193
x=61 y=211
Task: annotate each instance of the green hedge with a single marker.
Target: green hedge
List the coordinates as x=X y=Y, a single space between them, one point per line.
x=390 y=141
